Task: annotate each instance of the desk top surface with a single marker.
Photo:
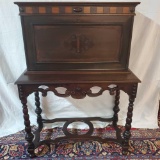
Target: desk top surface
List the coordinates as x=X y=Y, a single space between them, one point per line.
x=61 y=78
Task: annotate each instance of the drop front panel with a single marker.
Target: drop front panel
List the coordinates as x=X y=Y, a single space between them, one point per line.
x=77 y=36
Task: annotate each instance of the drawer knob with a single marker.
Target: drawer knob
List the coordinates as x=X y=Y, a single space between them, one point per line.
x=78 y=9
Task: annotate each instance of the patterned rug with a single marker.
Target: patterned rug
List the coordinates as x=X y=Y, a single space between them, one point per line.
x=144 y=144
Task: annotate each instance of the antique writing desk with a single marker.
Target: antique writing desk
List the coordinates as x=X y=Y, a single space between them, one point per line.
x=77 y=46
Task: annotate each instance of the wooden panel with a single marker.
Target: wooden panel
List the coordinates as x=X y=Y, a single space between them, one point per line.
x=62 y=43
x=83 y=77
x=42 y=9
x=68 y=9
x=119 y=10
x=29 y=10
x=106 y=10
x=80 y=44
x=86 y=9
x=55 y=9
x=113 y=9
x=76 y=40
x=126 y=10
x=99 y=9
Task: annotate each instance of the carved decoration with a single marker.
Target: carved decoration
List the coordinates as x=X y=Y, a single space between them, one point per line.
x=78 y=43
x=67 y=133
x=75 y=135
x=76 y=91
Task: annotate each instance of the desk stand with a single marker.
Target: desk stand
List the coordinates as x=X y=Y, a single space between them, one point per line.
x=77 y=86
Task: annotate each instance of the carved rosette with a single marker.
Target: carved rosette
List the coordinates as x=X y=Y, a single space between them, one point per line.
x=77 y=93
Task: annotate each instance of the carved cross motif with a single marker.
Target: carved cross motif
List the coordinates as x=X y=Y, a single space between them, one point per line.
x=78 y=43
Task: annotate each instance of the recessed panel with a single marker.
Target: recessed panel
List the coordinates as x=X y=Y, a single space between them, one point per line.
x=77 y=43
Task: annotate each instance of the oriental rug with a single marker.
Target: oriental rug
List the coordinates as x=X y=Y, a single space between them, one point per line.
x=144 y=144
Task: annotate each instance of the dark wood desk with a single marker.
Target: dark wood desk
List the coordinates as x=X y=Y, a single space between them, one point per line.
x=77 y=86
x=77 y=46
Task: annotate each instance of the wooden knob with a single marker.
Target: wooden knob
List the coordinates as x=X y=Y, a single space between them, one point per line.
x=78 y=9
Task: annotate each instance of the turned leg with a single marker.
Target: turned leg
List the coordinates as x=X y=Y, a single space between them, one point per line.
x=127 y=133
x=29 y=136
x=116 y=107
x=38 y=111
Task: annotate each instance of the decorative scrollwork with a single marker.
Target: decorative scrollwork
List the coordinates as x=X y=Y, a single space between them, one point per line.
x=43 y=91
x=67 y=123
x=112 y=90
x=76 y=91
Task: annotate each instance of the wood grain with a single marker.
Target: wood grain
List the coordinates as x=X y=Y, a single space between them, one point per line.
x=55 y=9
x=42 y=9
x=29 y=10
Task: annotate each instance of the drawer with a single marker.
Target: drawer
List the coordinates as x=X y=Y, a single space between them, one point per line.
x=77 y=36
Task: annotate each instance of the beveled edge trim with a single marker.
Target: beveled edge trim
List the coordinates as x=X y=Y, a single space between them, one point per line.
x=78 y=3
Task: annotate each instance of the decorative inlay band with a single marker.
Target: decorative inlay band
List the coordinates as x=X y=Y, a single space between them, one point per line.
x=55 y=9
x=72 y=9
x=42 y=9
x=113 y=9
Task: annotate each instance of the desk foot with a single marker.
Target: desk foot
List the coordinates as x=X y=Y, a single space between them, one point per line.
x=31 y=152
x=31 y=146
x=124 y=152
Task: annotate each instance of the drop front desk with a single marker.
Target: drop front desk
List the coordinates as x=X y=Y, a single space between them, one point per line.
x=77 y=46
